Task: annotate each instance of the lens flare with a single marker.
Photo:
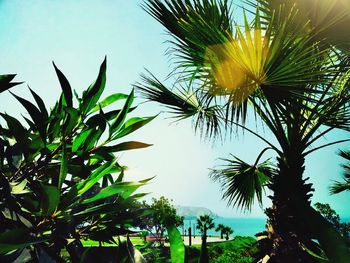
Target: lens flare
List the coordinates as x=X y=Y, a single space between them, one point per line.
x=237 y=66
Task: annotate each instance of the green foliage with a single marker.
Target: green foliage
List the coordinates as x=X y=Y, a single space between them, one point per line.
x=56 y=177
x=240 y=250
x=331 y=215
x=228 y=231
x=220 y=228
x=163 y=215
x=242 y=182
x=205 y=223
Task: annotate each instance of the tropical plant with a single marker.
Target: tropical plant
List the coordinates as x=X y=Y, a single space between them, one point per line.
x=204 y=223
x=224 y=230
x=163 y=218
x=292 y=74
x=56 y=174
x=220 y=228
x=227 y=231
x=163 y=214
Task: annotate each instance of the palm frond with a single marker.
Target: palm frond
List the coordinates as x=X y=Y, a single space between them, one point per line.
x=184 y=103
x=194 y=24
x=339 y=187
x=242 y=182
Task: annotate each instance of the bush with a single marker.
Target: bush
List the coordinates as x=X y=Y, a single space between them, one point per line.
x=56 y=172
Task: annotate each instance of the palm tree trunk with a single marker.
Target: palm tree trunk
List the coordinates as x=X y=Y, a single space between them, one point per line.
x=293 y=222
x=286 y=226
x=204 y=258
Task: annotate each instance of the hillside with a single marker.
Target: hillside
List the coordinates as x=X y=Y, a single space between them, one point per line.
x=194 y=211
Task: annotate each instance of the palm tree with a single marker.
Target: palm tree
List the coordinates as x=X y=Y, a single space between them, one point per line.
x=292 y=77
x=227 y=231
x=204 y=223
x=220 y=228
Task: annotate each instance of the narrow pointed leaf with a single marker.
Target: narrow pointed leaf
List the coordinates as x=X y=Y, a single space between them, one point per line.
x=124 y=189
x=35 y=114
x=66 y=88
x=40 y=104
x=63 y=166
x=80 y=139
x=124 y=146
x=177 y=247
x=118 y=122
x=5 y=82
x=95 y=176
x=93 y=94
x=132 y=125
x=109 y=100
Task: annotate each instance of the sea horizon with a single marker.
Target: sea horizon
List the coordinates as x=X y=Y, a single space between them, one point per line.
x=242 y=226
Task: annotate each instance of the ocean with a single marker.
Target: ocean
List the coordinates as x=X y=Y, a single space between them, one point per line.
x=241 y=226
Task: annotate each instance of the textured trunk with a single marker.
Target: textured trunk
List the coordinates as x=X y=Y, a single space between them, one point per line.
x=286 y=226
x=293 y=223
x=204 y=250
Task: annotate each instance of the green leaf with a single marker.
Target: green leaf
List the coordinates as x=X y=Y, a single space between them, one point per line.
x=242 y=182
x=63 y=166
x=40 y=104
x=18 y=131
x=95 y=176
x=124 y=146
x=49 y=199
x=19 y=188
x=93 y=138
x=177 y=247
x=71 y=120
x=5 y=82
x=17 y=239
x=37 y=117
x=117 y=123
x=109 y=100
x=98 y=210
x=66 y=88
x=93 y=93
x=132 y=125
x=124 y=189
x=80 y=139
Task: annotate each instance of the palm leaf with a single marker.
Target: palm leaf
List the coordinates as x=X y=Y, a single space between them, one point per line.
x=242 y=182
x=184 y=103
x=339 y=187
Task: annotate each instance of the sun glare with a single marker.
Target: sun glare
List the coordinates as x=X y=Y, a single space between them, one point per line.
x=238 y=65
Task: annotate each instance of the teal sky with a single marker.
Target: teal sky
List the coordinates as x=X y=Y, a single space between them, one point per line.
x=77 y=35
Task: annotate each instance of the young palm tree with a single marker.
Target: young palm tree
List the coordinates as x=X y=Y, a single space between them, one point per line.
x=290 y=75
x=220 y=228
x=204 y=223
x=227 y=231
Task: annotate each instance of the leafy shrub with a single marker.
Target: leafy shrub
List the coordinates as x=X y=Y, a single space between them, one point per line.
x=56 y=172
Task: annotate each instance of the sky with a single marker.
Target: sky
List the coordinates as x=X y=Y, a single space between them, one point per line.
x=76 y=35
